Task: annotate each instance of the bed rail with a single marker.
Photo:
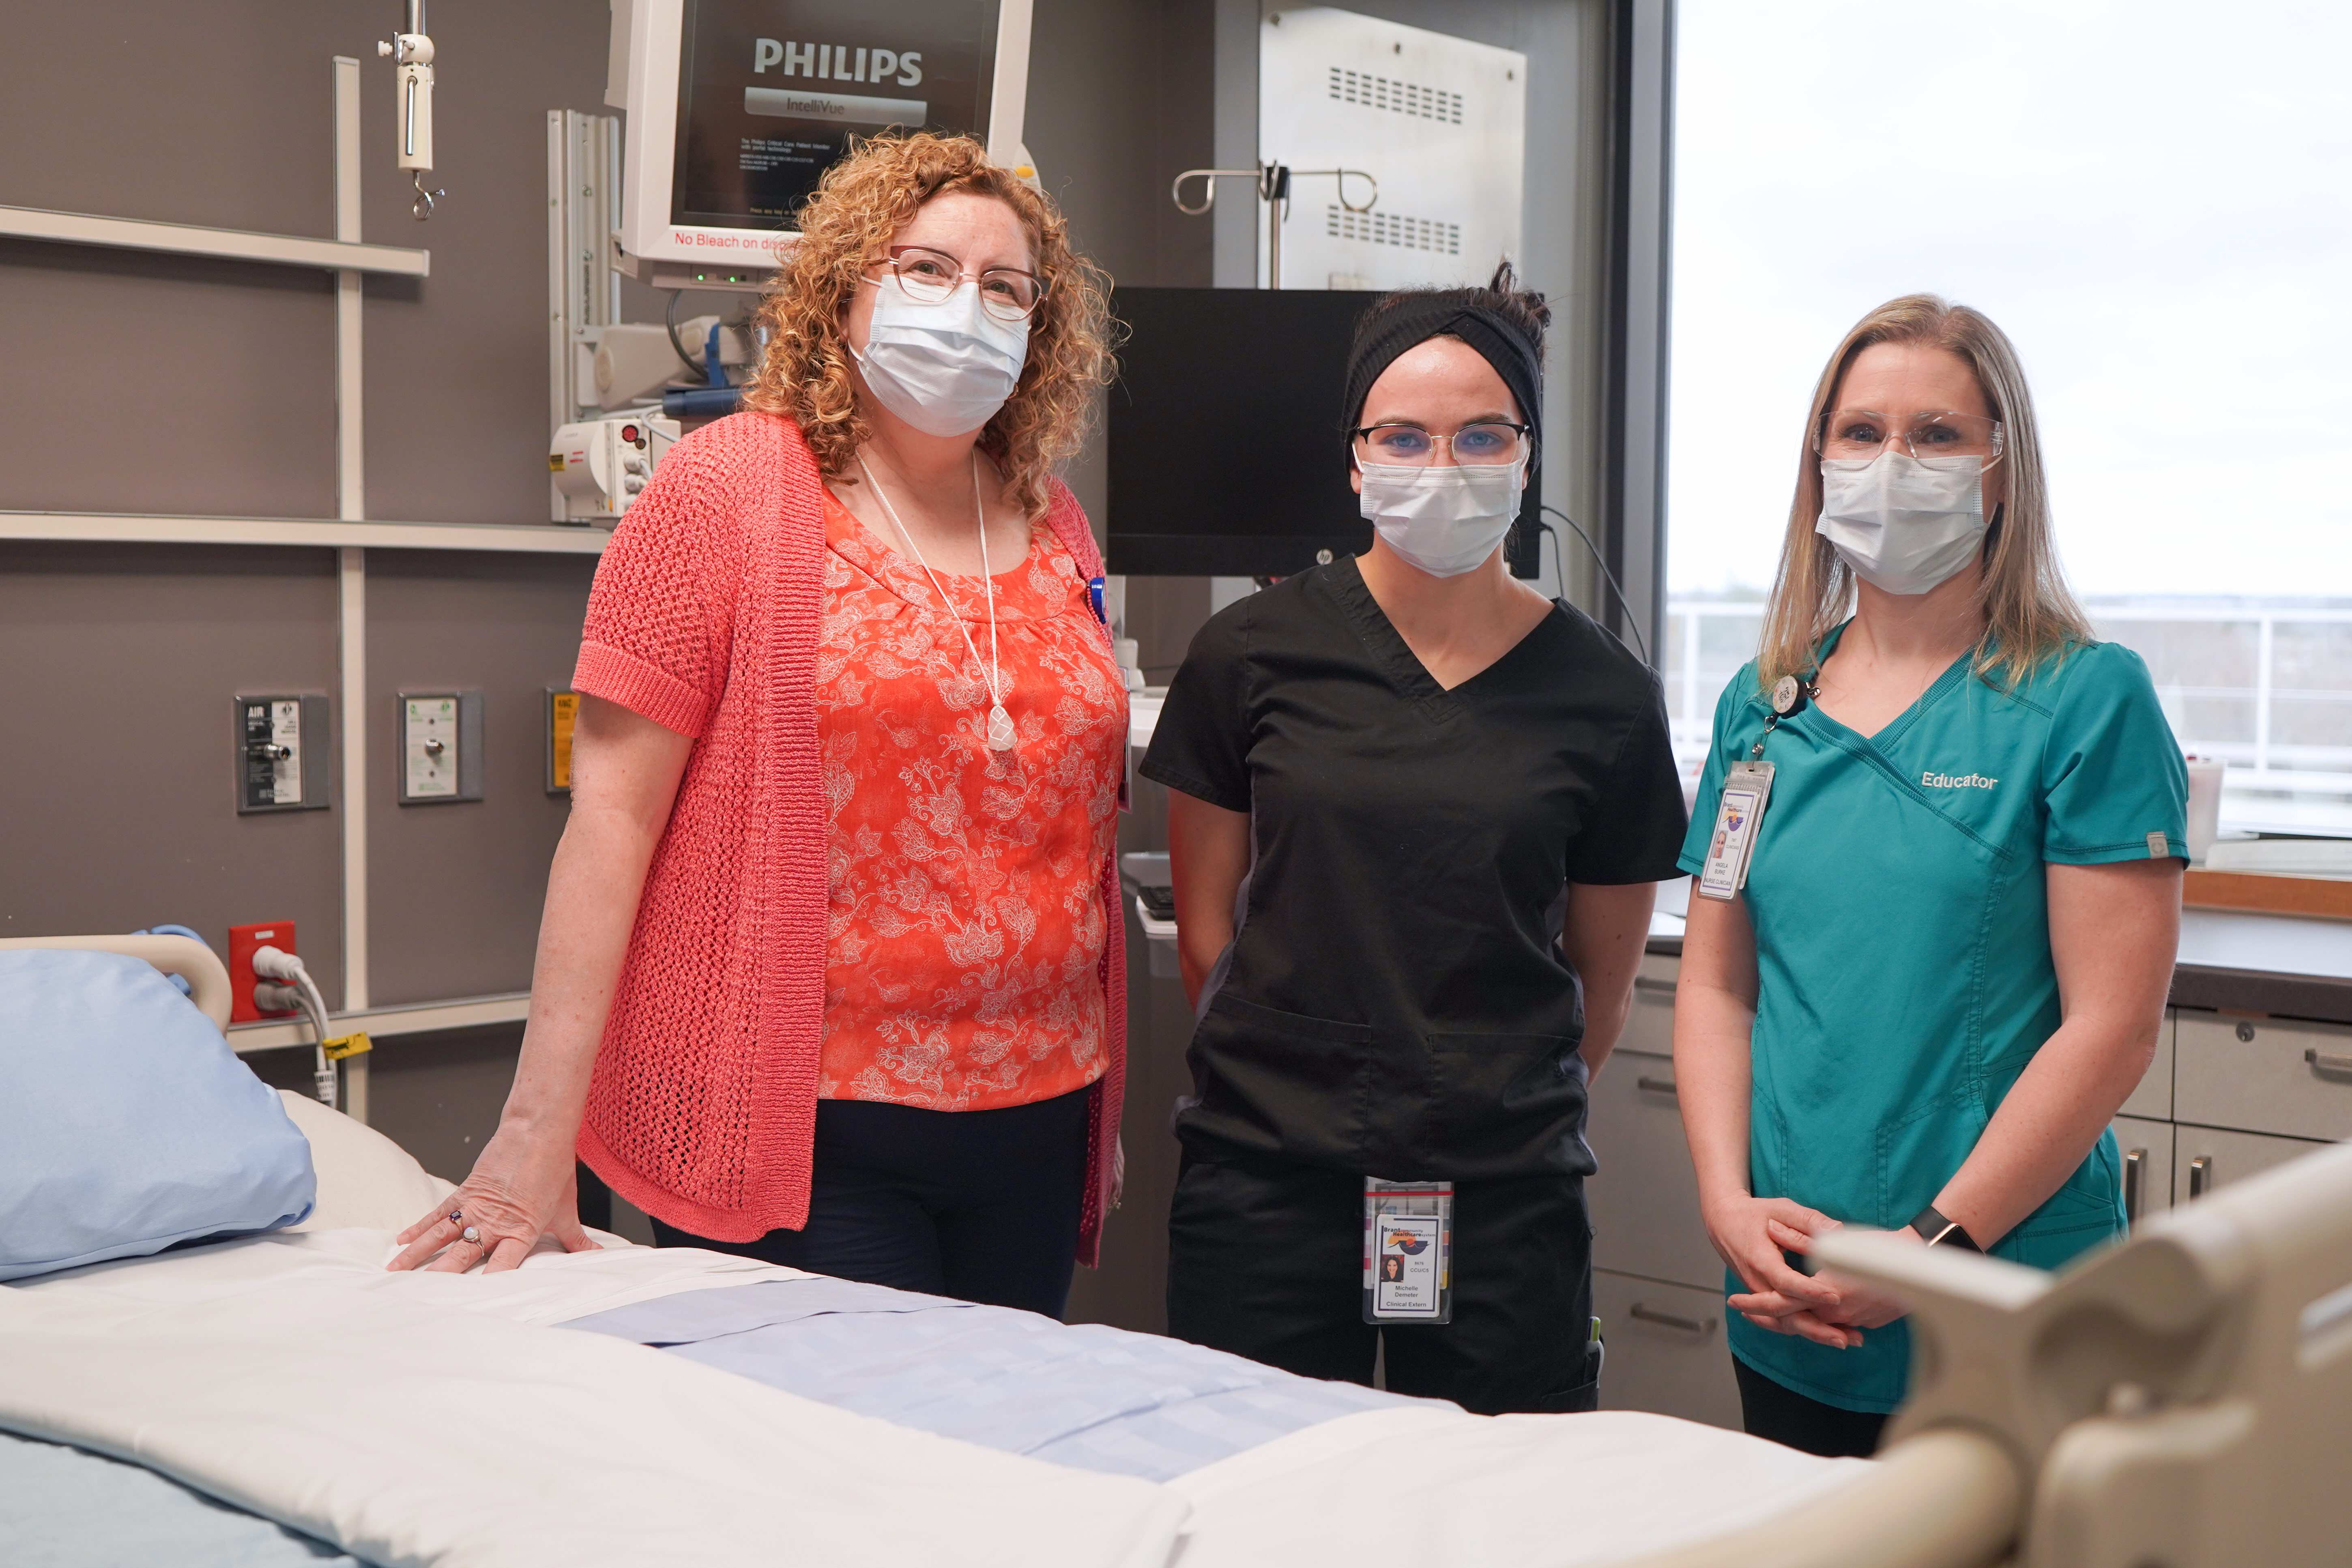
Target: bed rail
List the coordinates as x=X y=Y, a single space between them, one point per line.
x=192 y=961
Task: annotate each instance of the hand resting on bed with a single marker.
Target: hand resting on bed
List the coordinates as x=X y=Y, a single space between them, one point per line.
x=624 y=774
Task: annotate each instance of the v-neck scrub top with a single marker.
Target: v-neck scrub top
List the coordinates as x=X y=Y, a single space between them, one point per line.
x=1395 y=1001
x=1903 y=973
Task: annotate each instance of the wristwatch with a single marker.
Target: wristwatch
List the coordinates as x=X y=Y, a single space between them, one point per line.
x=1937 y=1231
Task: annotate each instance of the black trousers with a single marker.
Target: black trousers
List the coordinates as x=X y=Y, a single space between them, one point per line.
x=1771 y=1409
x=982 y=1205
x=1265 y=1260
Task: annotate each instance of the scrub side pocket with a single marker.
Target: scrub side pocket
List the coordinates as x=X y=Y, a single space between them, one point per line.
x=1921 y=1152
x=1504 y=1104
x=2085 y=1211
x=1277 y=1083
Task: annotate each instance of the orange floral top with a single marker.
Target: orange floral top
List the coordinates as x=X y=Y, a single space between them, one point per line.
x=965 y=917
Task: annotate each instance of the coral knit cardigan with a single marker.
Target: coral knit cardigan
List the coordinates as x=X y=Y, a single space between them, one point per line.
x=704 y=619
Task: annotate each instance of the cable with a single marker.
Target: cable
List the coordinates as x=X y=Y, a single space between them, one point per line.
x=669 y=319
x=1633 y=624
x=287 y=971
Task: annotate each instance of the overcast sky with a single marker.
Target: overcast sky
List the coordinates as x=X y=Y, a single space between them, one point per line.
x=2153 y=199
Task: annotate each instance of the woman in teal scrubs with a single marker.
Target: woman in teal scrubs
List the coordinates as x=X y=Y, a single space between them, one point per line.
x=1947 y=961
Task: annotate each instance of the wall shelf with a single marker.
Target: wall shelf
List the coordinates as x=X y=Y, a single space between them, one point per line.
x=164 y=529
x=383 y=1023
x=230 y=244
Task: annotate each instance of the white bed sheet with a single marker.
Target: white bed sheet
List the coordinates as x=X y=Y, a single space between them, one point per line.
x=411 y=1425
x=434 y=1420
x=1435 y=1488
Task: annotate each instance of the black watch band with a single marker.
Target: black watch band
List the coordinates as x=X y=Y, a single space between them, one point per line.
x=1937 y=1231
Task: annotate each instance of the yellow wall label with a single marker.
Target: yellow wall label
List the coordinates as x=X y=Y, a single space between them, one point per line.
x=562 y=712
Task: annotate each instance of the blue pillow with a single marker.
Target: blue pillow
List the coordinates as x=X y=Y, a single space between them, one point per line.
x=127 y=1125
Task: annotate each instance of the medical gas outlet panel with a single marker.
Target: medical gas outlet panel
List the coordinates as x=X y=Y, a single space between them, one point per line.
x=281 y=754
x=601 y=466
x=440 y=747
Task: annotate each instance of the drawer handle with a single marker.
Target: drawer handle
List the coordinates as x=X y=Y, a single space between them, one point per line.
x=2201 y=1175
x=2135 y=1174
x=1654 y=1085
x=1669 y=1320
x=1646 y=983
x=2328 y=1064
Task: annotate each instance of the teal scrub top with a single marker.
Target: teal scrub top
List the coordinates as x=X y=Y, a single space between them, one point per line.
x=1903 y=976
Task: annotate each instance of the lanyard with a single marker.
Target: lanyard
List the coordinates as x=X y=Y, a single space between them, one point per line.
x=1746 y=788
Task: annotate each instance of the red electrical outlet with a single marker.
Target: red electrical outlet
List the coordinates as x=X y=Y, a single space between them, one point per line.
x=242 y=942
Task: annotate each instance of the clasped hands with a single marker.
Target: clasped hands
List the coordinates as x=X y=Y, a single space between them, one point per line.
x=1755 y=1235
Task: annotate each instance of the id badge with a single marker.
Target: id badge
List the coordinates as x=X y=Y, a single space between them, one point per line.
x=1746 y=789
x=1407 y=1251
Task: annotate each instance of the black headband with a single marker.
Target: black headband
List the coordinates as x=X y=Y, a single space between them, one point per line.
x=1499 y=339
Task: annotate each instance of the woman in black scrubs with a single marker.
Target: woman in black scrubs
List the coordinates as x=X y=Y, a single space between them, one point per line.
x=1416 y=811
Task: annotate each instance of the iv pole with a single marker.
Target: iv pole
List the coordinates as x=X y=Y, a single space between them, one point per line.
x=1273 y=188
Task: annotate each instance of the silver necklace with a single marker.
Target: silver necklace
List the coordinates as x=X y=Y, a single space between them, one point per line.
x=999 y=724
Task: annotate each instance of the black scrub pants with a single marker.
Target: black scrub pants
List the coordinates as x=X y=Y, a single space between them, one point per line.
x=982 y=1205
x=1265 y=1260
x=1770 y=1408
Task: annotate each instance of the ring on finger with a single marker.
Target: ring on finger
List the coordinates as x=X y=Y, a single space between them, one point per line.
x=470 y=1234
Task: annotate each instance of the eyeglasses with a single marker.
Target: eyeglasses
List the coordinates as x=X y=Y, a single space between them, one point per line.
x=1852 y=434
x=1410 y=446
x=930 y=276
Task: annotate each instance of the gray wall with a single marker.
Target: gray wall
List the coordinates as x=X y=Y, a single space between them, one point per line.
x=177 y=386
x=455 y=888
x=119 y=796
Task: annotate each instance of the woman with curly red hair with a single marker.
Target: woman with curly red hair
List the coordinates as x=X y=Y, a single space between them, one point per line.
x=830 y=970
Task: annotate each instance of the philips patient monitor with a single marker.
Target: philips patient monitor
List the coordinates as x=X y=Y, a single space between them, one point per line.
x=736 y=108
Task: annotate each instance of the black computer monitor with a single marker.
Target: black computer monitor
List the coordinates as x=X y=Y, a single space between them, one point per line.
x=1227 y=455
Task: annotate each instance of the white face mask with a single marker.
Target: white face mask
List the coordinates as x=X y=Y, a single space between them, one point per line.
x=1446 y=520
x=1902 y=523
x=944 y=368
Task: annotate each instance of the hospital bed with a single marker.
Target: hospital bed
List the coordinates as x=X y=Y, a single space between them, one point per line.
x=2183 y=1400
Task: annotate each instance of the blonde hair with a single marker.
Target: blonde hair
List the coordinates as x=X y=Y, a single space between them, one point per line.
x=845 y=228
x=2030 y=615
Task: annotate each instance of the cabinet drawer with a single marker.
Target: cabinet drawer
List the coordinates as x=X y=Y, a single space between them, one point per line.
x=1650 y=1020
x=1645 y=1201
x=2261 y=1075
x=2205 y=1158
x=2153 y=1098
x=1666 y=1352
x=2146 y=1149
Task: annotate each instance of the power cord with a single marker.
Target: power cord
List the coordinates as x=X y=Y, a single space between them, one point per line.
x=1633 y=623
x=300 y=990
x=669 y=319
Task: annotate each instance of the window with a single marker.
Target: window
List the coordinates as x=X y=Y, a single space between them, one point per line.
x=2149 y=198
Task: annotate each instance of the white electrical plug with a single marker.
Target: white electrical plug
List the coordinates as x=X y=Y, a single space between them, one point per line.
x=272 y=964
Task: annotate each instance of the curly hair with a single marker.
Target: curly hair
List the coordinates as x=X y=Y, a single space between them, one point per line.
x=845 y=228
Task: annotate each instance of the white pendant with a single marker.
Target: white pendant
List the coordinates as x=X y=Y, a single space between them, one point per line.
x=1000 y=729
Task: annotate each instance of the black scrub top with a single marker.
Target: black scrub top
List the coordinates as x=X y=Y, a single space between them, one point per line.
x=1395 y=1001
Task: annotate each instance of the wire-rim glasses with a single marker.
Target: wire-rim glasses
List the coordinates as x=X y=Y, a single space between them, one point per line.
x=1486 y=442
x=1857 y=434
x=927 y=276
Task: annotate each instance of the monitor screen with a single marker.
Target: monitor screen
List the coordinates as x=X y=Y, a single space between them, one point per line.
x=769 y=92
x=1227 y=457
